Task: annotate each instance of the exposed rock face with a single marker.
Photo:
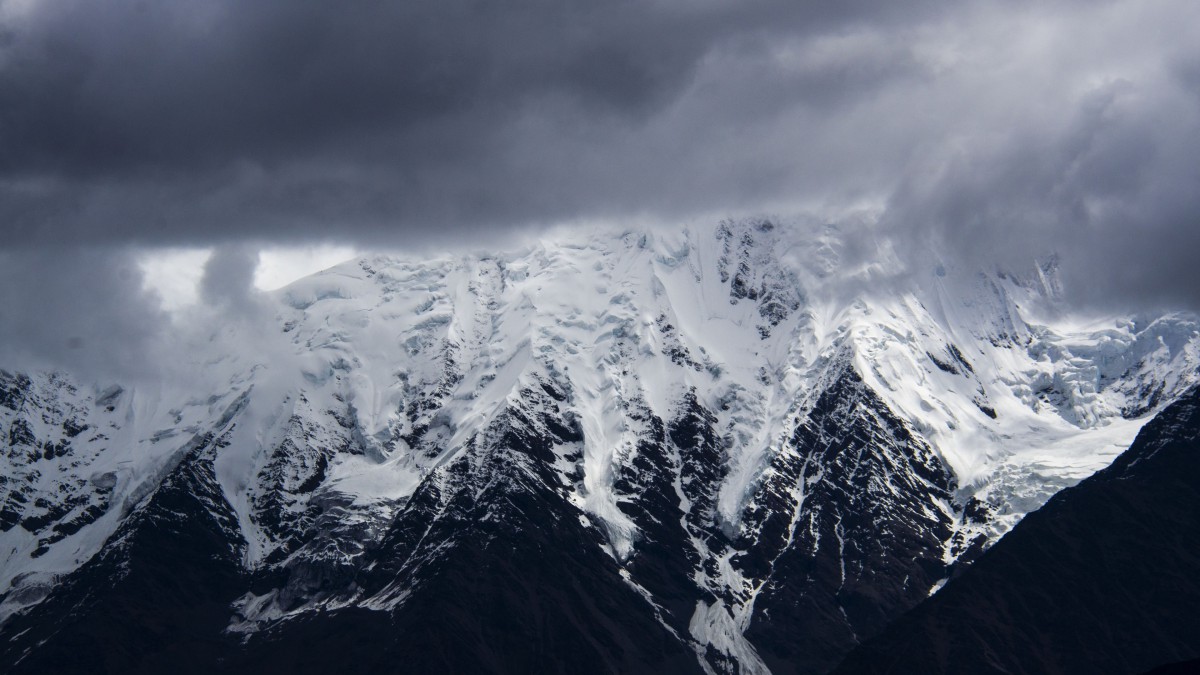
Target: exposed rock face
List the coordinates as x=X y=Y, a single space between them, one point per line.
x=1102 y=579
x=678 y=453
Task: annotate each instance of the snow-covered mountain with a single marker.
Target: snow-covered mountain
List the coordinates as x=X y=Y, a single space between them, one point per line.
x=729 y=449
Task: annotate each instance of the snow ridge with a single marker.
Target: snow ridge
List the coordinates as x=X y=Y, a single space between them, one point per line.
x=727 y=411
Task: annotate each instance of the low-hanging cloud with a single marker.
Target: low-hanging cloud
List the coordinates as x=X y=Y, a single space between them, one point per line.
x=991 y=132
x=82 y=309
x=1111 y=190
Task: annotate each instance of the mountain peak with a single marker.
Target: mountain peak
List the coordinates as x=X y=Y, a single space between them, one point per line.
x=723 y=415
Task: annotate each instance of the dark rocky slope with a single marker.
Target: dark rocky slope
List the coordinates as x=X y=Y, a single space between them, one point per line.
x=1105 y=578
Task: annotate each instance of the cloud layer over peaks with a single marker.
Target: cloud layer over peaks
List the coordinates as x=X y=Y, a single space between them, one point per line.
x=990 y=132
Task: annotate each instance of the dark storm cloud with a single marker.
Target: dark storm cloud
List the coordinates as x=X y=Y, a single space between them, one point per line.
x=84 y=310
x=118 y=86
x=1112 y=190
x=150 y=121
x=989 y=131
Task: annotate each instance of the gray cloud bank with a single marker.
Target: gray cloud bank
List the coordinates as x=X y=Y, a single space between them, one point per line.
x=188 y=121
x=991 y=132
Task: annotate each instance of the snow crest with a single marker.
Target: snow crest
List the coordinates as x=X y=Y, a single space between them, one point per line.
x=393 y=368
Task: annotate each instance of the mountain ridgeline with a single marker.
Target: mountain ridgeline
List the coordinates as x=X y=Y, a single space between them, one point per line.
x=1102 y=579
x=704 y=451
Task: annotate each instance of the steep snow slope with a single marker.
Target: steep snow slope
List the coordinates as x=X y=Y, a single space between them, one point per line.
x=765 y=438
x=77 y=462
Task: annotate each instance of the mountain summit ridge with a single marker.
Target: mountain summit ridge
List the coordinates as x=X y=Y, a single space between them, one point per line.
x=746 y=434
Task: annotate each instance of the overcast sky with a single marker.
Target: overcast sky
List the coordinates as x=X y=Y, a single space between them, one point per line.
x=994 y=131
